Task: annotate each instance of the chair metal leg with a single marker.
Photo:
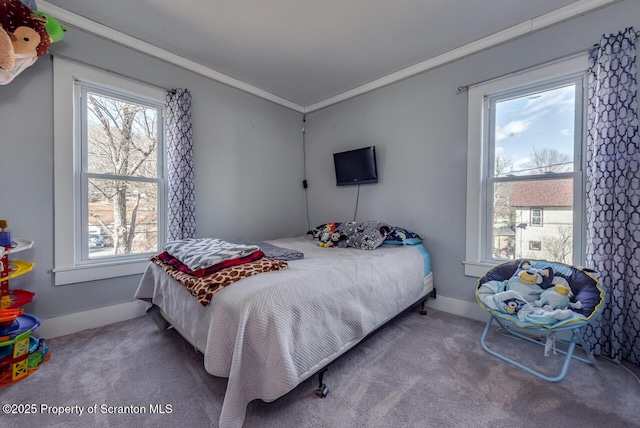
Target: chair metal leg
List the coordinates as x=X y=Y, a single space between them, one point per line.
x=587 y=350
x=575 y=338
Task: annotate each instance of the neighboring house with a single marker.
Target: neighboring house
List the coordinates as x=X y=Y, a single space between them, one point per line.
x=544 y=219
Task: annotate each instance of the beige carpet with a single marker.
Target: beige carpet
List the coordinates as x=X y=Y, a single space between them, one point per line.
x=418 y=371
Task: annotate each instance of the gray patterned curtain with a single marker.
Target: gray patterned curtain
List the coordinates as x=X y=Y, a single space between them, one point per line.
x=613 y=194
x=181 y=199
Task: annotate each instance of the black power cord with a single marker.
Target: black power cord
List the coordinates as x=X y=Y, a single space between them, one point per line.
x=304 y=167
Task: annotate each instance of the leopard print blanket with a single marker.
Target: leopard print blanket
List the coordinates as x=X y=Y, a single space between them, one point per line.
x=204 y=288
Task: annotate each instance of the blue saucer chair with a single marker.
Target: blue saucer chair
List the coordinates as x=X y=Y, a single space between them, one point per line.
x=585 y=287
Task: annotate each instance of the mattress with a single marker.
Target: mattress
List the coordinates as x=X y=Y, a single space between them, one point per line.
x=269 y=332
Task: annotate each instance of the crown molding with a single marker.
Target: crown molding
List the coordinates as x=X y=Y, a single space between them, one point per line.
x=85 y=24
x=560 y=15
x=557 y=16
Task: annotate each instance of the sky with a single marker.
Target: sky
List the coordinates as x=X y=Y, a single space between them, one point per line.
x=539 y=120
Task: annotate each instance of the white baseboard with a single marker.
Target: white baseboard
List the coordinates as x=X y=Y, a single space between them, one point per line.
x=458 y=307
x=73 y=323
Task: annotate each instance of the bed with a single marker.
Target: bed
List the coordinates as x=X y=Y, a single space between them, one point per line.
x=271 y=331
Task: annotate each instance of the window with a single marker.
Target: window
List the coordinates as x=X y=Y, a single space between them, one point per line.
x=525 y=172
x=536 y=217
x=535 y=245
x=109 y=174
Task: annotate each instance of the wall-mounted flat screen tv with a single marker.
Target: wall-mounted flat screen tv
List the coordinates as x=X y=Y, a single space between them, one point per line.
x=356 y=166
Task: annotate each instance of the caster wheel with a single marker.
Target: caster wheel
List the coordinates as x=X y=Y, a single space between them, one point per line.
x=423 y=312
x=323 y=391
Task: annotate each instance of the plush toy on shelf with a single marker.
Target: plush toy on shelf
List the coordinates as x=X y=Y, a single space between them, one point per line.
x=7 y=58
x=31 y=38
x=54 y=28
x=25 y=36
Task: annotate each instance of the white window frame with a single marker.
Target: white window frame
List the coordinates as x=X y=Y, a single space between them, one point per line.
x=539 y=216
x=536 y=247
x=479 y=163
x=70 y=265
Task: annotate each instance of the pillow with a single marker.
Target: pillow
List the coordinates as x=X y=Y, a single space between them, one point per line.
x=400 y=236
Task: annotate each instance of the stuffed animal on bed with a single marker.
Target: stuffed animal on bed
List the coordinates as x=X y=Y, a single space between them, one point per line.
x=325 y=240
x=557 y=297
x=529 y=281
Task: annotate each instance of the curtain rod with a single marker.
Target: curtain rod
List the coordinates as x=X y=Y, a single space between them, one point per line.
x=123 y=76
x=463 y=88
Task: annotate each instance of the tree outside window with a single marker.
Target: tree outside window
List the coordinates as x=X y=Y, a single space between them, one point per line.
x=121 y=173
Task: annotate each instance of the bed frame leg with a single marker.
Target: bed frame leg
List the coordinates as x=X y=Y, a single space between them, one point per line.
x=154 y=313
x=323 y=390
x=423 y=311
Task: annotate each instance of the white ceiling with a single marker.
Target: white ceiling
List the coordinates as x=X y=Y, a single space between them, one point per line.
x=310 y=51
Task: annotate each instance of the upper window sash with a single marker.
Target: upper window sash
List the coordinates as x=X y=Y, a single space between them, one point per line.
x=575 y=79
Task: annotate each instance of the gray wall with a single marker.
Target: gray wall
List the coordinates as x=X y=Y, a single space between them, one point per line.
x=419 y=128
x=248 y=166
x=249 y=155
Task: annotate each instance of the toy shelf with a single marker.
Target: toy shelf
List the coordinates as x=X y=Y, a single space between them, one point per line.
x=20 y=352
x=18 y=245
x=18 y=267
x=10 y=269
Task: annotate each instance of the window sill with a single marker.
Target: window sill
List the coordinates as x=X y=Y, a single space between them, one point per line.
x=476 y=268
x=76 y=274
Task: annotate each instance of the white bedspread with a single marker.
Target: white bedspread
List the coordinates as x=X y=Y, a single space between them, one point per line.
x=266 y=332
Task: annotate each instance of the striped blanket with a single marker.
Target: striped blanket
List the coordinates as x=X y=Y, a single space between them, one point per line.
x=201 y=253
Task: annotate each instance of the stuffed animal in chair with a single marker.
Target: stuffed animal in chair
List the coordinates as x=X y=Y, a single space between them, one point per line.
x=529 y=281
x=556 y=297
